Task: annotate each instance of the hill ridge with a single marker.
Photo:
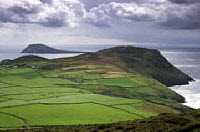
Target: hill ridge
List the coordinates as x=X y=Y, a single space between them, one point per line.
x=141 y=60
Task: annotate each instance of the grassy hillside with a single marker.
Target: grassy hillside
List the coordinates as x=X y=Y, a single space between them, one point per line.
x=140 y=60
x=148 y=62
x=185 y=122
x=95 y=88
x=22 y=61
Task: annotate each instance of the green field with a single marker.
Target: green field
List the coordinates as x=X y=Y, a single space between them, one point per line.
x=69 y=114
x=86 y=94
x=9 y=121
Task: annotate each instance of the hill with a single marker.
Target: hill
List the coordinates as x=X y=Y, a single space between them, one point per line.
x=44 y=49
x=108 y=86
x=23 y=60
x=29 y=58
x=148 y=62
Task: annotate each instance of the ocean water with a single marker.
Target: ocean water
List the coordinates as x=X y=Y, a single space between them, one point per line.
x=12 y=52
x=186 y=58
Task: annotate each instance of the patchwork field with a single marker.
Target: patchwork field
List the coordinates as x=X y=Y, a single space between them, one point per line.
x=86 y=94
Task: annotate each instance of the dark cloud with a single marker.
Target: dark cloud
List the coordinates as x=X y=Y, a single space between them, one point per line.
x=54 y=22
x=94 y=3
x=21 y=10
x=185 y=1
x=50 y=13
x=18 y=12
x=189 y=19
x=180 y=14
x=47 y=1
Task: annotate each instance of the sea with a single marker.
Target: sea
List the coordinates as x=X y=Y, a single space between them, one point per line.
x=188 y=61
x=184 y=57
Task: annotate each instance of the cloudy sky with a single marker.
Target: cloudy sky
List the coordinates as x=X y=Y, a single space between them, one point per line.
x=67 y=22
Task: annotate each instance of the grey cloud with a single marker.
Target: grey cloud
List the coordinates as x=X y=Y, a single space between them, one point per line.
x=163 y=13
x=18 y=12
x=187 y=18
x=54 y=22
x=21 y=13
x=51 y=13
x=25 y=9
x=182 y=14
x=47 y=1
x=108 y=13
x=185 y=1
x=94 y=3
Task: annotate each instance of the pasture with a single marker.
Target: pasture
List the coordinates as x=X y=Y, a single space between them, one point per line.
x=76 y=95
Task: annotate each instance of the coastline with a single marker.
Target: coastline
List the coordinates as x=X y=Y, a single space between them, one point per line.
x=190 y=92
x=186 y=90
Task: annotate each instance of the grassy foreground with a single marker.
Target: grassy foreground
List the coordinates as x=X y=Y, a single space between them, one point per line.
x=32 y=97
x=184 y=122
x=35 y=92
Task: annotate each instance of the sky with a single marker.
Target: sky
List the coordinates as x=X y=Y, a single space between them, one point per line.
x=99 y=22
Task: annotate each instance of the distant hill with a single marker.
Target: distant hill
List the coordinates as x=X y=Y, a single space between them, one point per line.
x=23 y=59
x=29 y=58
x=44 y=49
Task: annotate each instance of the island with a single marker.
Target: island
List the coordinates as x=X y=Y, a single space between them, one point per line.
x=44 y=49
x=118 y=89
